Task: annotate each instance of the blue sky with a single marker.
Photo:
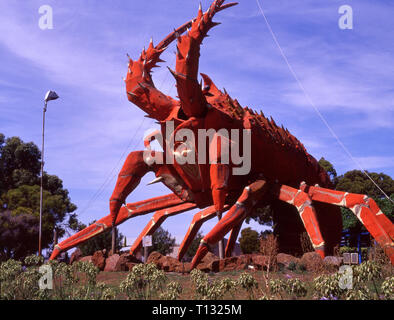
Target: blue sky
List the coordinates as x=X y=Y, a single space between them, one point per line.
x=92 y=127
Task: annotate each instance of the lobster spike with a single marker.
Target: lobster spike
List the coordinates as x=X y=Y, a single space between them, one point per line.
x=157 y=180
x=173 y=72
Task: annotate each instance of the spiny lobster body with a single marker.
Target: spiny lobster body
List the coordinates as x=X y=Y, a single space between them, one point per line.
x=282 y=174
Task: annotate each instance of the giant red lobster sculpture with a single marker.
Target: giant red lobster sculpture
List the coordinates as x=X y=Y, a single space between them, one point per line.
x=282 y=173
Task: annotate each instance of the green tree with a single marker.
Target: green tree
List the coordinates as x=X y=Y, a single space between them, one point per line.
x=100 y=242
x=18 y=235
x=194 y=245
x=20 y=164
x=162 y=242
x=327 y=165
x=356 y=181
x=249 y=241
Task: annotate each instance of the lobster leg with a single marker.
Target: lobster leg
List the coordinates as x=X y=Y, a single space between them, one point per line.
x=302 y=201
x=366 y=210
x=158 y=218
x=131 y=210
x=198 y=219
x=238 y=212
x=129 y=177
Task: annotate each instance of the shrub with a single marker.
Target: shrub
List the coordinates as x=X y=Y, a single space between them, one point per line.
x=291 y=288
x=292 y=266
x=247 y=282
x=249 y=241
x=205 y=289
x=144 y=282
x=388 y=288
x=174 y=289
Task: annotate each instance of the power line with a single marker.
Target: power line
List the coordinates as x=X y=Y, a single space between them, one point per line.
x=313 y=104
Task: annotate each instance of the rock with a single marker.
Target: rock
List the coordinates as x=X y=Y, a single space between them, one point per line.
x=333 y=261
x=285 y=259
x=209 y=257
x=244 y=261
x=228 y=264
x=130 y=265
x=204 y=267
x=86 y=259
x=98 y=260
x=156 y=258
x=124 y=260
x=170 y=264
x=110 y=262
x=210 y=263
x=75 y=256
x=184 y=267
x=312 y=261
x=260 y=262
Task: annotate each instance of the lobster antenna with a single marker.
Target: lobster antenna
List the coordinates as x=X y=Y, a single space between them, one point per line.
x=313 y=104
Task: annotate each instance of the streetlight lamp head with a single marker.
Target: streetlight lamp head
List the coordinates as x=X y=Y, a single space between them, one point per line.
x=51 y=95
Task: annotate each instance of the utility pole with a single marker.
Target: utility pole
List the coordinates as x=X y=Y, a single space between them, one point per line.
x=50 y=95
x=220 y=243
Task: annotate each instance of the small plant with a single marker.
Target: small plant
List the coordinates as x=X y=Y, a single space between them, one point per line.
x=248 y=283
x=297 y=288
x=277 y=287
x=327 y=287
x=144 y=282
x=292 y=266
x=173 y=291
x=287 y=288
x=34 y=260
x=205 y=289
x=388 y=288
x=269 y=248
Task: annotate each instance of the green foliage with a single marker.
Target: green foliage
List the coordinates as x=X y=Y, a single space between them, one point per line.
x=211 y=290
x=100 y=242
x=364 y=277
x=292 y=266
x=356 y=181
x=162 y=242
x=194 y=245
x=145 y=282
x=388 y=288
x=327 y=287
x=20 y=164
x=34 y=260
x=249 y=241
x=77 y=281
x=290 y=288
x=329 y=168
x=173 y=291
x=247 y=282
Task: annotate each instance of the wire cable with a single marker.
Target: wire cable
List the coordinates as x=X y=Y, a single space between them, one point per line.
x=313 y=104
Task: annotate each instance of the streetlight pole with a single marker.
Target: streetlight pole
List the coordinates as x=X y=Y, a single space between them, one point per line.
x=51 y=95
